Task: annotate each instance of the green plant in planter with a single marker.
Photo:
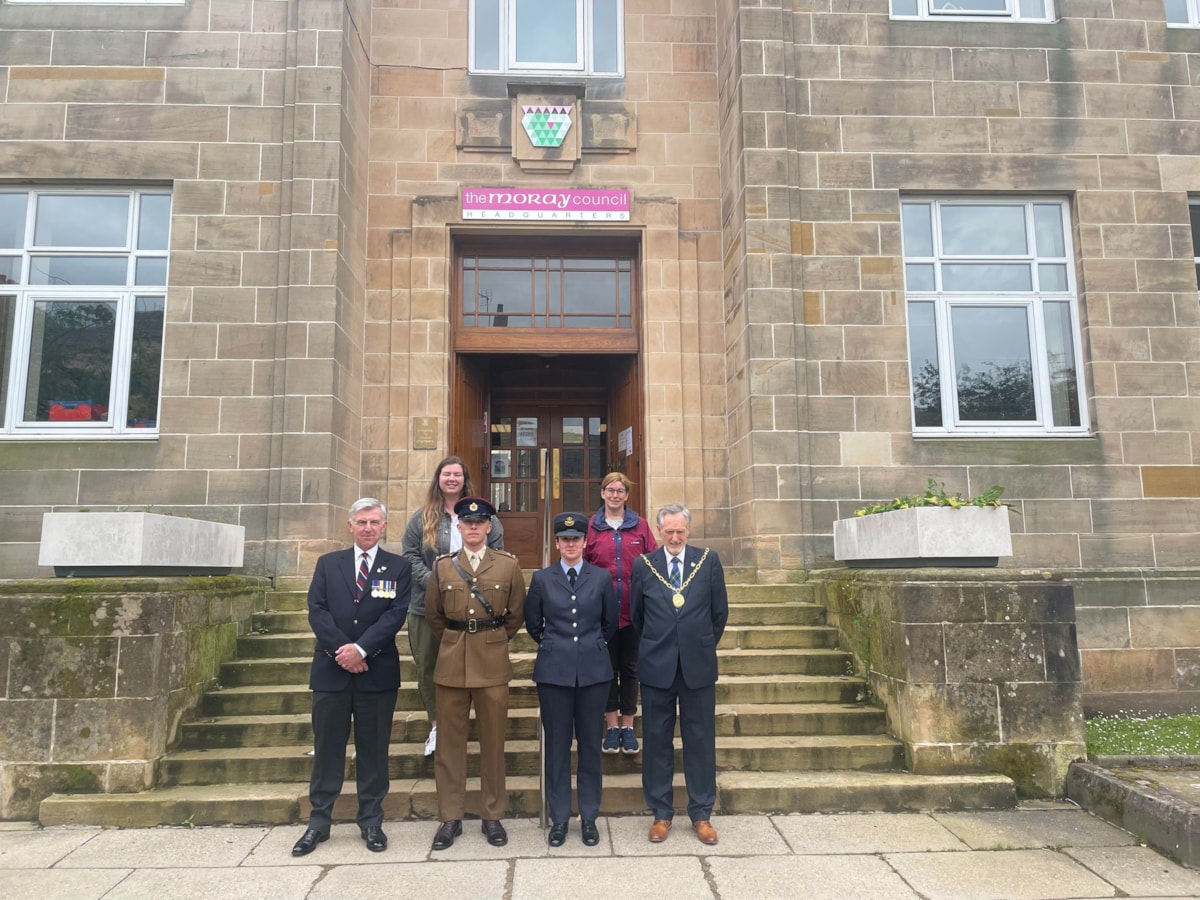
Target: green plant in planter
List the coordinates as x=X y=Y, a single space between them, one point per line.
x=935 y=495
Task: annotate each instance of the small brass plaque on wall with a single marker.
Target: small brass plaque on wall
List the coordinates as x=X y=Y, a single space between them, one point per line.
x=424 y=433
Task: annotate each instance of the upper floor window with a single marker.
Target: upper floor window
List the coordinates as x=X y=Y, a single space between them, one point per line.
x=1004 y=10
x=1182 y=13
x=547 y=37
x=993 y=322
x=83 y=279
x=547 y=292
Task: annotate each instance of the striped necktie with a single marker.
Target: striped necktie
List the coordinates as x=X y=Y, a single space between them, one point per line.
x=363 y=575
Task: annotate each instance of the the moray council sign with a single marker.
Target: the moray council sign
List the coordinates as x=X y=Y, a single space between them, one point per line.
x=546 y=205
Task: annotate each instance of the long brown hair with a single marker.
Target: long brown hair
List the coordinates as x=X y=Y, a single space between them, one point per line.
x=435 y=500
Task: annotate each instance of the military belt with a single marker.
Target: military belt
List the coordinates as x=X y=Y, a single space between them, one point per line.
x=471 y=626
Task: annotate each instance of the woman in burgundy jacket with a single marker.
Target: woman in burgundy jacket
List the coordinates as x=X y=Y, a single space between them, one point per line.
x=616 y=537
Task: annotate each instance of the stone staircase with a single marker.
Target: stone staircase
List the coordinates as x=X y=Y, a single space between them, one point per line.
x=793 y=734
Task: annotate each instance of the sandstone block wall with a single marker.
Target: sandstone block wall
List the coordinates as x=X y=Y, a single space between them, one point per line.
x=97 y=674
x=253 y=112
x=832 y=113
x=978 y=671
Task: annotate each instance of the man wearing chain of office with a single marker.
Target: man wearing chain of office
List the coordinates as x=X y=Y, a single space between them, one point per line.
x=679 y=606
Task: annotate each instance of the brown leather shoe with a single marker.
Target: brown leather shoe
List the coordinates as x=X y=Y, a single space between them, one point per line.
x=705 y=831
x=659 y=830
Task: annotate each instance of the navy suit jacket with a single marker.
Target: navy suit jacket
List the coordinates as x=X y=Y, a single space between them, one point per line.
x=372 y=623
x=555 y=616
x=686 y=641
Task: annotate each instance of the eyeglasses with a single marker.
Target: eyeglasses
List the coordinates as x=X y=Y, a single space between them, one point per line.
x=615 y=490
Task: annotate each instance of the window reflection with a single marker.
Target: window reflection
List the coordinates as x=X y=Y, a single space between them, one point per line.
x=79 y=270
x=12 y=220
x=547 y=292
x=8 y=315
x=146 y=362
x=978 y=230
x=993 y=363
x=70 y=361
x=82 y=220
x=540 y=31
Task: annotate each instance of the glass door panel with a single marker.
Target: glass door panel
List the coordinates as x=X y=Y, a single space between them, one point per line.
x=544 y=460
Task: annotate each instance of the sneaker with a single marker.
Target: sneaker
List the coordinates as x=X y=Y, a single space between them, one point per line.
x=612 y=741
x=431 y=741
x=629 y=741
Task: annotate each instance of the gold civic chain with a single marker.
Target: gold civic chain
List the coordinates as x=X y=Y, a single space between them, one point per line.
x=677 y=599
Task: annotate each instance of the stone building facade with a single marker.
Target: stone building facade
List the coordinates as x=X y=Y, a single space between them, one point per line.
x=834 y=207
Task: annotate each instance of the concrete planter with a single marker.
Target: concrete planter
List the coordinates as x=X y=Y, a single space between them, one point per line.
x=973 y=536
x=138 y=543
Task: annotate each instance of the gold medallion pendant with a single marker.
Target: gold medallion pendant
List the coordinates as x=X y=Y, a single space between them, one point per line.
x=677 y=599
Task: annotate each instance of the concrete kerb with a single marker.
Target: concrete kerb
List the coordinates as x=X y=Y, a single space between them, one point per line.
x=1155 y=798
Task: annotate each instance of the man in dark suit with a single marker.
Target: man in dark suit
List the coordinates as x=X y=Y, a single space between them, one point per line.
x=571 y=611
x=474 y=604
x=356 y=604
x=679 y=607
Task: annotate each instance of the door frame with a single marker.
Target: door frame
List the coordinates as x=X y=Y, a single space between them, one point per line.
x=481 y=378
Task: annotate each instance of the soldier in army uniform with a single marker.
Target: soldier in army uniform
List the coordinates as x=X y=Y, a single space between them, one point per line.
x=474 y=604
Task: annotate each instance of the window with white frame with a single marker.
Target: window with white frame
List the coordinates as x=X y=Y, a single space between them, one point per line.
x=1182 y=13
x=993 y=321
x=975 y=10
x=83 y=279
x=547 y=37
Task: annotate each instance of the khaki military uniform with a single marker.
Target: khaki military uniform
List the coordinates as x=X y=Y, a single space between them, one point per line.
x=473 y=667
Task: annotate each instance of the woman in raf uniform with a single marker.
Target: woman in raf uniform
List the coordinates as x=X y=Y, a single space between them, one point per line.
x=571 y=611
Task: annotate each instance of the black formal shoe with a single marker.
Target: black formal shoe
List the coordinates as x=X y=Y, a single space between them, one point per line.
x=558 y=834
x=496 y=835
x=591 y=834
x=446 y=833
x=375 y=838
x=308 y=842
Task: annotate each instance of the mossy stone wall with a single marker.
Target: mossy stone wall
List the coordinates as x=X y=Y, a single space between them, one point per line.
x=978 y=669
x=96 y=675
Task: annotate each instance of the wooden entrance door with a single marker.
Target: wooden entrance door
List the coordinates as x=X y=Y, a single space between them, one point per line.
x=547 y=457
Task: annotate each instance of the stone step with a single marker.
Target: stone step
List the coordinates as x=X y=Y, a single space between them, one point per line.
x=295 y=620
x=737 y=793
x=284 y=645
x=752 y=753
x=412 y=726
x=295 y=596
x=739 y=689
x=267 y=671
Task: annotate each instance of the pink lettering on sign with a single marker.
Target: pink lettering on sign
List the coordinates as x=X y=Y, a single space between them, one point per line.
x=541 y=205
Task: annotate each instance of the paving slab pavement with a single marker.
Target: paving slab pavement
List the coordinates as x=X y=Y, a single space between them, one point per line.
x=1041 y=851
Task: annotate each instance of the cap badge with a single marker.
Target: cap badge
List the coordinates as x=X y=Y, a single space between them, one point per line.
x=474 y=507
x=569 y=521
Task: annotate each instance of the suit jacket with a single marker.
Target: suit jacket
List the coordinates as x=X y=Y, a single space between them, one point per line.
x=479 y=659
x=572 y=627
x=686 y=641
x=372 y=623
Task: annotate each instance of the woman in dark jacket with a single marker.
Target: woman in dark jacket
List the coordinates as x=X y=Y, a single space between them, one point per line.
x=431 y=532
x=571 y=612
x=616 y=537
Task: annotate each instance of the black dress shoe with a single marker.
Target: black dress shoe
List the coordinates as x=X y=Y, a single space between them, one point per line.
x=496 y=835
x=591 y=834
x=308 y=842
x=375 y=838
x=558 y=834
x=446 y=833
